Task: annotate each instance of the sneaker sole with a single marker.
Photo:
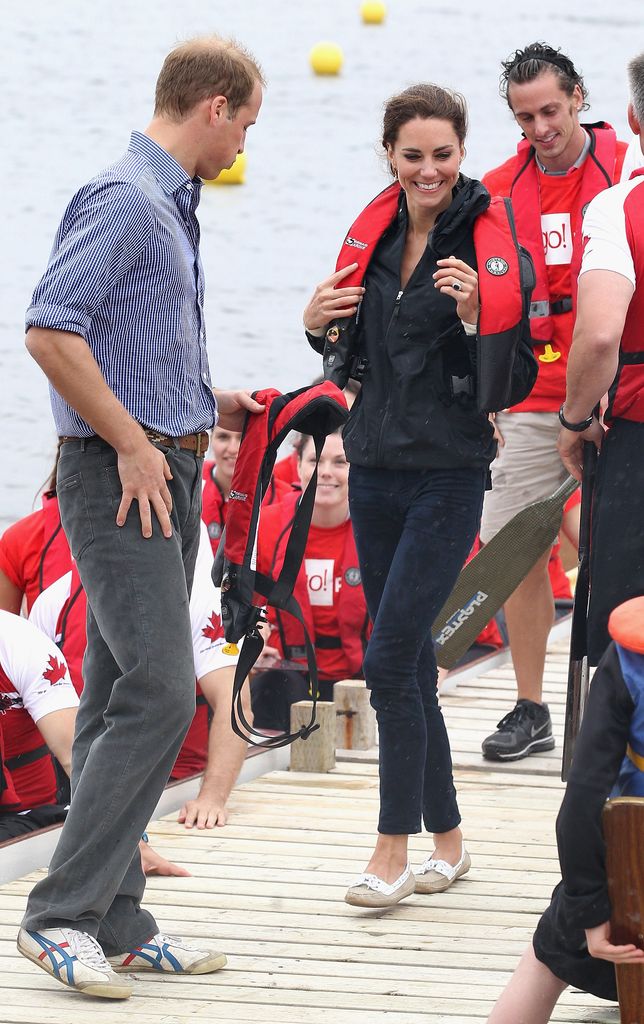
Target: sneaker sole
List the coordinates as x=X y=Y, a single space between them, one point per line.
x=91 y=989
x=208 y=966
x=545 y=744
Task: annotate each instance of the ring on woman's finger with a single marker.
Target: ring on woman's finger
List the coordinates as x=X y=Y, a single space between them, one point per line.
x=457 y=286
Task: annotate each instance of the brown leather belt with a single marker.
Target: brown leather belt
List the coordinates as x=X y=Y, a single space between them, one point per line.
x=197 y=443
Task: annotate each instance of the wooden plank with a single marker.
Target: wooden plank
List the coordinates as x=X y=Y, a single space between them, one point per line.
x=268 y=889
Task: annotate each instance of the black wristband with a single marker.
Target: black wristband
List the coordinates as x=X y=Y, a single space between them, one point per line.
x=575 y=427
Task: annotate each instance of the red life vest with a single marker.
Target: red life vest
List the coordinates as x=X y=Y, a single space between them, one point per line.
x=353 y=618
x=71 y=630
x=504 y=277
x=600 y=170
x=318 y=411
x=214 y=505
x=626 y=395
x=28 y=769
x=56 y=558
x=9 y=799
x=193 y=756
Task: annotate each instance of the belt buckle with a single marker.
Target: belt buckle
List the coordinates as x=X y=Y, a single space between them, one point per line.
x=199 y=437
x=154 y=435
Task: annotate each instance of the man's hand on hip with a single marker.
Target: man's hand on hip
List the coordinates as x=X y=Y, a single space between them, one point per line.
x=233 y=406
x=144 y=472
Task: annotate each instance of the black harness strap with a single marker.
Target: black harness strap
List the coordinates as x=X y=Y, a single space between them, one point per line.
x=20 y=760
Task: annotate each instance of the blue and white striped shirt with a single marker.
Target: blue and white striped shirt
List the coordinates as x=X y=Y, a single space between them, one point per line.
x=125 y=273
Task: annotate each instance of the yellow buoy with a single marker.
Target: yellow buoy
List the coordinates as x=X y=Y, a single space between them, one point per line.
x=326 y=58
x=234 y=175
x=373 y=12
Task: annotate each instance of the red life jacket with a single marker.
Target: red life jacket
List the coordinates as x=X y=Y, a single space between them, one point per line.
x=193 y=756
x=28 y=770
x=600 y=170
x=626 y=395
x=318 y=411
x=71 y=630
x=214 y=505
x=353 y=618
x=505 y=280
x=56 y=558
x=9 y=799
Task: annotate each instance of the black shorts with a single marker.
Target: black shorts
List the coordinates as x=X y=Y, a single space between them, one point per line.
x=563 y=950
x=617 y=546
x=13 y=824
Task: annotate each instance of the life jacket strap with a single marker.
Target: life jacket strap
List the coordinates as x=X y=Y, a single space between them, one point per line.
x=20 y=760
x=635 y=758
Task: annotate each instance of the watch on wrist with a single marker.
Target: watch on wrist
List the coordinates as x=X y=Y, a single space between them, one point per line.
x=575 y=427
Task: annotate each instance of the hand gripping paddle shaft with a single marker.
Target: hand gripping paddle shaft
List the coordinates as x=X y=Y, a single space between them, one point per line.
x=487 y=581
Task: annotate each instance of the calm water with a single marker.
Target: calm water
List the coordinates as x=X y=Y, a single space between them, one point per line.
x=77 y=77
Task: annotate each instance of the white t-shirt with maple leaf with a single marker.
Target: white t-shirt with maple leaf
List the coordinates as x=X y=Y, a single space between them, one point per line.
x=37 y=677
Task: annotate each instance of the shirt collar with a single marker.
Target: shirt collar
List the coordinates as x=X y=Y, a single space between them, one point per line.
x=575 y=167
x=170 y=174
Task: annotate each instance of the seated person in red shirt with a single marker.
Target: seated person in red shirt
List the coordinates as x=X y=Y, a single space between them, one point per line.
x=218 y=469
x=33 y=553
x=328 y=589
x=218 y=477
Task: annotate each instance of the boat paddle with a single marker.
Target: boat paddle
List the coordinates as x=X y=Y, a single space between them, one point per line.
x=486 y=582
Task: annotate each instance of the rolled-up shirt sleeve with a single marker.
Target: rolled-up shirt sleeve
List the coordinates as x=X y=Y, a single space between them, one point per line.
x=104 y=231
x=605 y=236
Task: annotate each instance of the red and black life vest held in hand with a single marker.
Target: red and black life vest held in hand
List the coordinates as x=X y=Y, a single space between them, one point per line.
x=506 y=278
x=316 y=411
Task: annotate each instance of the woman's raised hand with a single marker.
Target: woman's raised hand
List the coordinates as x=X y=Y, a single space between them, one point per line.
x=457 y=279
x=328 y=301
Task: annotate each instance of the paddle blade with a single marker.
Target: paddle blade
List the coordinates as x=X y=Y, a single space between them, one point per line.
x=495 y=572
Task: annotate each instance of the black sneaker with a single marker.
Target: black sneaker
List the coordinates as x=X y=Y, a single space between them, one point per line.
x=526 y=729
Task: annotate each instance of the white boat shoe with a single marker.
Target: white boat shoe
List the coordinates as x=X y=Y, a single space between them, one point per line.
x=438 y=875
x=370 y=891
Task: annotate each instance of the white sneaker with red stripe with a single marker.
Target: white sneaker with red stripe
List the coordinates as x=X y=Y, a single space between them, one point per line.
x=173 y=956
x=75 y=959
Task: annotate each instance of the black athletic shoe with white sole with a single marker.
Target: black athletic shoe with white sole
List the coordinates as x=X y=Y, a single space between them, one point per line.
x=525 y=730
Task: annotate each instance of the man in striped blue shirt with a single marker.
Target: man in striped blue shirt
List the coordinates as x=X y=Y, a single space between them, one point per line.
x=117 y=325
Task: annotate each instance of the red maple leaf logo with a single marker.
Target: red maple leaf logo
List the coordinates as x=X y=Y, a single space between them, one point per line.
x=55 y=671
x=213 y=630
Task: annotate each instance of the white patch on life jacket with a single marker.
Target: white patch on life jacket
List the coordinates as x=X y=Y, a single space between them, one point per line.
x=557 y=238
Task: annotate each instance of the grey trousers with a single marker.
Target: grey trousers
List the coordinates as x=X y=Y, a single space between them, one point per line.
x=138 y=698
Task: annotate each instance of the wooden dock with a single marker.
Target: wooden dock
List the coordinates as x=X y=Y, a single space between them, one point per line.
x=268 y=888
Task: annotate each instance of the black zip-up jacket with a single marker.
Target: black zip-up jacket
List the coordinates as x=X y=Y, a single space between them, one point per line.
x=412 y=412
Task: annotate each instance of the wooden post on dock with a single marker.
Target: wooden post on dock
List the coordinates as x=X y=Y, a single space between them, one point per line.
x=355 y=718
x=623 y=823
x=317 y=753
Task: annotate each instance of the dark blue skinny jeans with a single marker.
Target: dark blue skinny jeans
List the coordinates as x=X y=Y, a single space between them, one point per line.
x=413 y=530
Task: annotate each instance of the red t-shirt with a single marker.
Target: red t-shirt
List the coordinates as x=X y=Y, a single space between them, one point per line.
x=20 y=552
x=323 y=567
x=558 y=195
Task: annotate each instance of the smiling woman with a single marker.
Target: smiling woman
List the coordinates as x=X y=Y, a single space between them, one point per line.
x=419 y=447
